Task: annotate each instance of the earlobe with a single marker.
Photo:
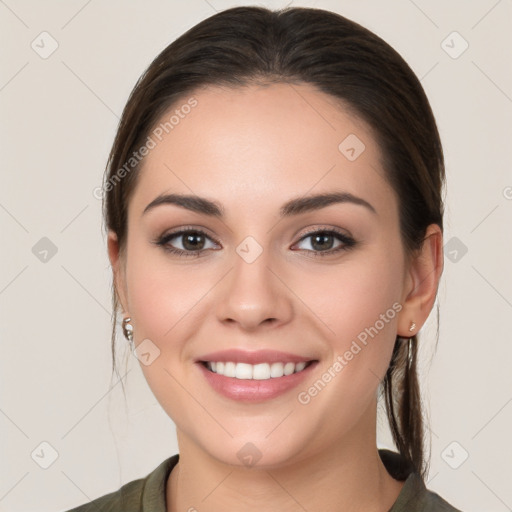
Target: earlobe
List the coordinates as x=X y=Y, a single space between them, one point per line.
x=422 y=282
x=116 y=262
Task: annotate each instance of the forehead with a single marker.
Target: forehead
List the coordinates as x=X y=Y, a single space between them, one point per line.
x=252 y=147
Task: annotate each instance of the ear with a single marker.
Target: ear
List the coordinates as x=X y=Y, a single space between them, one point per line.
x=421 y=283
x=118 y=268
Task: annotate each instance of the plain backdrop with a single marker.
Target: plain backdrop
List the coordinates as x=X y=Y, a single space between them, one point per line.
x=61 y=94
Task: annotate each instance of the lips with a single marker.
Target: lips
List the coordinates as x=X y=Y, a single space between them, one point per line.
x=260 y=385
x=253 y=390
x=254 y=357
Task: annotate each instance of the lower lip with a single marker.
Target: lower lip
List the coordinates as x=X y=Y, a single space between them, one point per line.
x=251 y=390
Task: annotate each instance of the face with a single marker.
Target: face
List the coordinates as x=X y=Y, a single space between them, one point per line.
x=324 y=282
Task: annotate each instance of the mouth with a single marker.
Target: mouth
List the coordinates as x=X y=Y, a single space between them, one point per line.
x=255 y=383
x=260 y=371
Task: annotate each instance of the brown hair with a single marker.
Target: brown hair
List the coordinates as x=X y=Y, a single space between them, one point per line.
x=247 y=45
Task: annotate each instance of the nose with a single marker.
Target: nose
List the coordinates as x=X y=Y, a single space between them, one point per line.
x=253 y=294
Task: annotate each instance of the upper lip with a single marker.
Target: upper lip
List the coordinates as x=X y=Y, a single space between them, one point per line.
x=254 y=357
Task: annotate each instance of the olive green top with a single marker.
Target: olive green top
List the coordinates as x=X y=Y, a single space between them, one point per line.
x=148 y=494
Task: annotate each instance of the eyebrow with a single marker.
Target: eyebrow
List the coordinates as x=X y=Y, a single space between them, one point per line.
x=292 y=207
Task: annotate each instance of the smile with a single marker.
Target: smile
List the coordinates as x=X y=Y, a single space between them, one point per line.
x=244 y=382
x=261 y=371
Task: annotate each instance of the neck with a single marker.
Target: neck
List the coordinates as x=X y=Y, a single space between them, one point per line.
x=349 y=476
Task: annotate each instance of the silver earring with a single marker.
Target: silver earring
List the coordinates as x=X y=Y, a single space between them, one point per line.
x=412 y=327
x=128 y=330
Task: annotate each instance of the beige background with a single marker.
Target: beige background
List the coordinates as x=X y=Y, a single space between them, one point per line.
x=58 y=118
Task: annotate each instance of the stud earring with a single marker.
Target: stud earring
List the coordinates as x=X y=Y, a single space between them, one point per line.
x=128 y=330
x=412 y=327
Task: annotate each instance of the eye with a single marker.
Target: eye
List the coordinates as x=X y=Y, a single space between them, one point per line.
x=192 y=242
x=321 y=243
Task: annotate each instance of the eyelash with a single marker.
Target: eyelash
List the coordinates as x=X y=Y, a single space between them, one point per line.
x=348 y=242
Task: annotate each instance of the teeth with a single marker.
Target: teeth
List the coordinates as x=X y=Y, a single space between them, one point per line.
x=261 y=371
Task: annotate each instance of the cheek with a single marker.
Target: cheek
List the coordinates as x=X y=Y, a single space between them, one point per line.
x=164 y=301
x=352 y=296
x=360 y=303
x=161 y=296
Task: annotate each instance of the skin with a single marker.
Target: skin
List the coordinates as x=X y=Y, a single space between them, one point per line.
x=251 y=149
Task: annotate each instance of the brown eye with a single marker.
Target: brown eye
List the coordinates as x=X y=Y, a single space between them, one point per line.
x=192 y=242
x=322 y=242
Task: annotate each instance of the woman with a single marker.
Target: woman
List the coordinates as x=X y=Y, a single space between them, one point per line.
x=273 y=200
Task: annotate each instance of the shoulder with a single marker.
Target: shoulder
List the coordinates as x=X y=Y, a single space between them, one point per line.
x=141 y=495
x=127 y=498
x=414 y=496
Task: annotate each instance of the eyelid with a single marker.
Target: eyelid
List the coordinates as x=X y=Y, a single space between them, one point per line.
x=325 y=228
x=186 y=229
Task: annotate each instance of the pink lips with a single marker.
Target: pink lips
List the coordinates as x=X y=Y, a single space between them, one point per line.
x=258 y=356
x=248 y=390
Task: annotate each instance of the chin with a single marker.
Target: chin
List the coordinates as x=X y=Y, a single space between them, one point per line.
x=257 y=452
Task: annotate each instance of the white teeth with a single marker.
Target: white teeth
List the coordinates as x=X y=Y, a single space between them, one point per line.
x=289 y=368
x=300 y=366
x=261 y=371
x=242 y=371
x=230 y=369
x=276 y=370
